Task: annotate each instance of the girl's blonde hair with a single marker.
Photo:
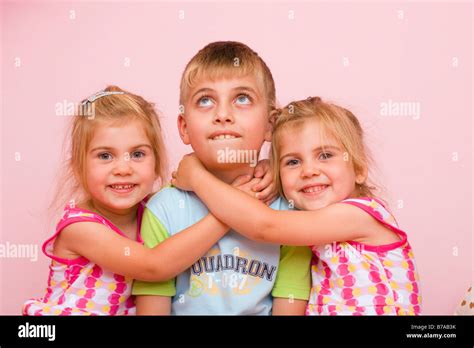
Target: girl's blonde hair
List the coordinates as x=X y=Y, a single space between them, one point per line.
x=335 y=121
x=117 y=109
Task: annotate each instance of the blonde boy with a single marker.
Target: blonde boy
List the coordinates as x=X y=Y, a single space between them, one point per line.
x=227 y=94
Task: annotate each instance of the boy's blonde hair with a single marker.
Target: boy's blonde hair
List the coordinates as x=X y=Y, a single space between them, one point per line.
x=226 y=59
x=116 y=109
x=335 y=121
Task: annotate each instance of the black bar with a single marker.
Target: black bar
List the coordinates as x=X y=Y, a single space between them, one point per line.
x=224 y=330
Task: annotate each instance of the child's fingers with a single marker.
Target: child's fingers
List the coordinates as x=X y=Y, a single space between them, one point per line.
x=241 y=180
x=250 y=184
x=266 y=181
x=271 y=199
x=247 y=187
x=173 y=175
x=261 y=168
x=258 y=172
x=267 y=193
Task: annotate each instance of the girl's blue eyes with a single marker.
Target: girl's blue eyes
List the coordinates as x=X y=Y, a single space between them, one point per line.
x=292 y=162
x=323 y=156
x=107 y=156
x=104 y=156
x=136 y=153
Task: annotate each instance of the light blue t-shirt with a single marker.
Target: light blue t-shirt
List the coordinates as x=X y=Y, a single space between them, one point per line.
x=236 y=276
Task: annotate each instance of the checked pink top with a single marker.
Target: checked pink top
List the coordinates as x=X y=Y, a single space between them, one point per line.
x=351 y=278
x=79 y=286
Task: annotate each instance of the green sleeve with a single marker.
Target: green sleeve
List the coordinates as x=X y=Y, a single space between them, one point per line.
x=293 y=278
x=153 y=233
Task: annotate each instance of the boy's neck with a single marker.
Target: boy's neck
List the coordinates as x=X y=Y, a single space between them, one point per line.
x=228 y=176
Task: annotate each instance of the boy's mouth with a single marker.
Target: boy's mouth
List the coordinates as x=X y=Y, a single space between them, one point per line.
x=122 y=187
x=224 y=135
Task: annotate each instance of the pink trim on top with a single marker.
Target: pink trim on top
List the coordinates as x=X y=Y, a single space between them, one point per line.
x=384 y=247
x=97 y=219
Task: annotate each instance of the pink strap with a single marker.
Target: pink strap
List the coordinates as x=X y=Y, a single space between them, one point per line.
x=378 y=217
x=86 y=216
x=66 y=221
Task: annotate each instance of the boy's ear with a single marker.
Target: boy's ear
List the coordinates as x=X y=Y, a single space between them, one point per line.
x=183 y=130
x=271 y=122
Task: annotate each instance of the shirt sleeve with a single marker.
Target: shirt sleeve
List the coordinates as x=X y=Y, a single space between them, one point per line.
x=153 y=233
x=293 y=279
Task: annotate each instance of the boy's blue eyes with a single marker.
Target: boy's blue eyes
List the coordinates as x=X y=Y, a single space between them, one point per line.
x=242 y=99
x=107 y=155
x=204 y=101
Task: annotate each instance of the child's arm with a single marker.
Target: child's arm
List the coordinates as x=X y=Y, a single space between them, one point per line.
x=100 y=245
x=265 y=190
x=153 y=305
x=293 y=281
x=288 y=306
x=337 y=222
x=123 y=256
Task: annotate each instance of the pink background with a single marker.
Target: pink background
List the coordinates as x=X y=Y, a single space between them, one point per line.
x=409 y=59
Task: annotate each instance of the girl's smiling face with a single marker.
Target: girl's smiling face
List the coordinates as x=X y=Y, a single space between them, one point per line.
x=120 y=166
x=315 y=171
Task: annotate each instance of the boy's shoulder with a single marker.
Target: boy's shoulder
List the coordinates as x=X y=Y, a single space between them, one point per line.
x=168 y=194
x=280 y=203
x=176 y=209
x=173 y=200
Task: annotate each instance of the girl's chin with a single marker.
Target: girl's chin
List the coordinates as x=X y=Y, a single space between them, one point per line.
x=120 y=204
x=312 y=204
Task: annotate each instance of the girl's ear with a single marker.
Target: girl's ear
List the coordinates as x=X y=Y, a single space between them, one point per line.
x=183 y=129
x=361 y=177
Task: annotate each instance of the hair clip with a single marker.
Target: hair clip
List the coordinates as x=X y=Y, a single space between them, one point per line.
x=99 y=95
x=314 y=99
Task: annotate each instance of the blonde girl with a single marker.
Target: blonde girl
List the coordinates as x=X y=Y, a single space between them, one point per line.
x=362 y=261
x=116 y=156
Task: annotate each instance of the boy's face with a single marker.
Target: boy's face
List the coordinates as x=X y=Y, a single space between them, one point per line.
x=222 y=118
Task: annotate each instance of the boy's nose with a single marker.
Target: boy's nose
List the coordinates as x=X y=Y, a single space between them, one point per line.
x=223 y=115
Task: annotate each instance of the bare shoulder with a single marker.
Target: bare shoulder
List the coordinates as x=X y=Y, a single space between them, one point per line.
x=72 y=234
x=374 y=232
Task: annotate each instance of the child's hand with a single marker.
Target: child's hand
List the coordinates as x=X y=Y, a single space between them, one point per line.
x=245 y=184
x=266 y=190
x=182 y=178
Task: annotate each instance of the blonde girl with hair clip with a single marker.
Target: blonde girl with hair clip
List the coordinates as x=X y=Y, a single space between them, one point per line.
x=116 y=156
x=362 y=262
